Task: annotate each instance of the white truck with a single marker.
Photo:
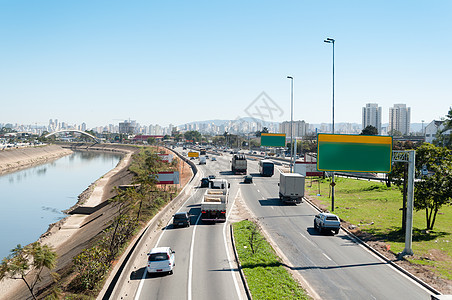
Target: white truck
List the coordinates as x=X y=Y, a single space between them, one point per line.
x=215 y=201
x=238 y=164
x=291 y=187
x=202 y=160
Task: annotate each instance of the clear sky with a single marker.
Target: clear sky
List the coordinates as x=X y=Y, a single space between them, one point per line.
x=164 y=62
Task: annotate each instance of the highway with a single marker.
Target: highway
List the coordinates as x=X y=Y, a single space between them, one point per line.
x=205 y=267
x=334 y=267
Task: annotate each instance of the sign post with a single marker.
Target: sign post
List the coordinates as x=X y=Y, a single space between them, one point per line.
x=410 y=158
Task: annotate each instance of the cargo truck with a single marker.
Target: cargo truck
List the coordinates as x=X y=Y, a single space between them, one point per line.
x=239 y=164
x=291 y=187
x=202 y=160
x=215 y=200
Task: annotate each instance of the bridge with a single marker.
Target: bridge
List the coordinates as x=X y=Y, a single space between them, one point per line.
x=73 y=130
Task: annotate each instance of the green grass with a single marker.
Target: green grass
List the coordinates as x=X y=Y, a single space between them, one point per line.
x=362 y=202
x=266 y=276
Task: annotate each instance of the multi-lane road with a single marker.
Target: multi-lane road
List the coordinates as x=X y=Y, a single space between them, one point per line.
x=333 y=267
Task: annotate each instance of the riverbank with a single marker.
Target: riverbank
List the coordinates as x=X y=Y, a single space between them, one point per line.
x=12 y=160
x=78 y=231
x=71 y=234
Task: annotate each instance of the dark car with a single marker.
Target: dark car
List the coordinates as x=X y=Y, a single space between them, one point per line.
x=181 y=219
x=248 y=179
x=205 y=182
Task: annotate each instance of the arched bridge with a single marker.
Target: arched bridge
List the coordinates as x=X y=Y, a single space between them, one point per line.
x=73 y=130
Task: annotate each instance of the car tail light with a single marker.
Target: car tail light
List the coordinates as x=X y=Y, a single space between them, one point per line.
x=223 y=212
x=203 y=212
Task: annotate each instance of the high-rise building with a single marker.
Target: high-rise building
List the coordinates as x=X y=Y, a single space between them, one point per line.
x=127 y=127
x=372 y=116
x=300 y=128
x=399 y=119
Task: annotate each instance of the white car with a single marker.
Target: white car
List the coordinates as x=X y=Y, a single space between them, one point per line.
x=160 y=260
x=327 y=222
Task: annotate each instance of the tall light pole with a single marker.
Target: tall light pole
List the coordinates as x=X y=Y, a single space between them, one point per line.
x=331 y=41
x=423 y=132
x=291 y=122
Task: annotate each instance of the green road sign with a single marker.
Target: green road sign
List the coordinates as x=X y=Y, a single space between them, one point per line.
x=354 y=153
x=273 y=139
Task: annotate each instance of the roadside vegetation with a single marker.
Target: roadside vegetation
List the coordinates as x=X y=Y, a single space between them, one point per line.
x=265 y=274
x=136 y=206
x=375 y=209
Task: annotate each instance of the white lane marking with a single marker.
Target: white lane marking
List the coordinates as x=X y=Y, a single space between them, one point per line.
x=327 y=256
x=190 y=264
x=140 y=286
x=237 y=289
x=308 y=240
x=258 y=191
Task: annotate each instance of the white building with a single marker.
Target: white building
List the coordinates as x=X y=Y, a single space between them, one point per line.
x=433 y=128
x=399 y=119
x=372 y=116
x=300 y=128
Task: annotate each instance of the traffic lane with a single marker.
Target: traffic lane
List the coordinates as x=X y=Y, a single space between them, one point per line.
x=161 y=286
x=347 y=264
x=211 y=270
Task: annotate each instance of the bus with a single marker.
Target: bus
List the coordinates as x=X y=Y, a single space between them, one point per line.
x=266 y=167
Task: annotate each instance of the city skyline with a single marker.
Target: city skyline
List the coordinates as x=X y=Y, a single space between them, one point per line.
x=163 y=63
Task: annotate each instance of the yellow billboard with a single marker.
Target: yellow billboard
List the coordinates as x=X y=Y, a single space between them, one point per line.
x=193 y=154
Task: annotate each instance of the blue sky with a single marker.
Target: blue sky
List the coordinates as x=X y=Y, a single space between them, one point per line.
x=99 y=62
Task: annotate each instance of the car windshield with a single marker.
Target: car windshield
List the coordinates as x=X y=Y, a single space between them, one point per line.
x=158 y=256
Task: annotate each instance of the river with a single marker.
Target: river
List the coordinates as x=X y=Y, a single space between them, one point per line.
x=33 y=198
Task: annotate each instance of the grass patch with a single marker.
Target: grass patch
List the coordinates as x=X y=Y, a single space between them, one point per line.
x=265 y=274
x=375 y=209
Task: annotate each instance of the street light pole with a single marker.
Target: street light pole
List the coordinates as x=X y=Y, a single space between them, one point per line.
x=291 y=122
x=331 y=41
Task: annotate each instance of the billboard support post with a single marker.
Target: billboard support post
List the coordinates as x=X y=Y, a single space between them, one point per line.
x=410 y=158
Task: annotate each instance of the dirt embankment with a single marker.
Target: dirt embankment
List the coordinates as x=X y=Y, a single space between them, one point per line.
x=15 y=159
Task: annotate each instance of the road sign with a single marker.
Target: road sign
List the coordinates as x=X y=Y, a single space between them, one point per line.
x=354 y=153
x=167 y=177
x=307 y=168
x=273 y=139
x=193 y=154
x=166 y=157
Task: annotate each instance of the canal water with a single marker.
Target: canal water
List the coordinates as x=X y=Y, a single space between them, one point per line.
x=33 y=198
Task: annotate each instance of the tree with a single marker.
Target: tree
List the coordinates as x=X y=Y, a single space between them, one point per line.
x=443 y=139
x=264 y=130
x=193 y=135
x=369 y=130
x=435 y=188
x=24 y=260
x=395 y=132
